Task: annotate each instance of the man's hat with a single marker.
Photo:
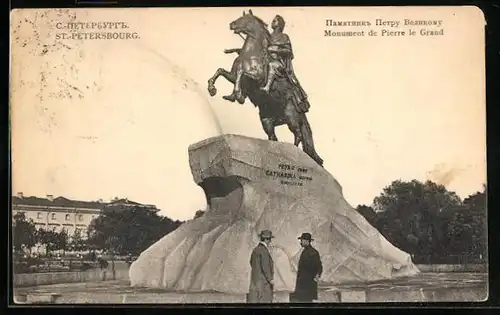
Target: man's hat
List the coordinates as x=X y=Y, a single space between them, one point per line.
x=266 y=234
x=306 y=236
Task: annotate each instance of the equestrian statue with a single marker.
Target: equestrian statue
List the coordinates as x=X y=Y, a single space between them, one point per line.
x=263 y=72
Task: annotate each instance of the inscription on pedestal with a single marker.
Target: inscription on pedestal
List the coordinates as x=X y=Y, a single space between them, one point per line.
x=293 y=175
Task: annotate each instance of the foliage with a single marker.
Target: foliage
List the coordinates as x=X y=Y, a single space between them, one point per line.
x=49 y=238
x=24 y=232
x=430 y=222
x=198 y=214
x=368 y=213
x=53 y=240
x=126 y=230
x=467 y=230
x=77 y=243
x=62 y=240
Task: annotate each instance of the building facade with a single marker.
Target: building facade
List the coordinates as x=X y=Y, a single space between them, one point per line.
x=61 y=213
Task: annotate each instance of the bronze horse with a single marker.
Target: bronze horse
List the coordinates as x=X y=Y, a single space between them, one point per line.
x=248 y=73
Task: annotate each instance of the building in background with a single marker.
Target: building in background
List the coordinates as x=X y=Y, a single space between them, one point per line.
x=124 y=203
x=61 y=213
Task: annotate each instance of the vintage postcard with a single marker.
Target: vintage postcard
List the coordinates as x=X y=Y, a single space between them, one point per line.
x=248 y=155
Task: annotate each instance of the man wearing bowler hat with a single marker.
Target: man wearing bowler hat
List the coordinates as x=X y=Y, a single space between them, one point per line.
x=262 y=274
x=308 y=272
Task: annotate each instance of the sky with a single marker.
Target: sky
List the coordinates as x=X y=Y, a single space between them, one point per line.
x=97 y=119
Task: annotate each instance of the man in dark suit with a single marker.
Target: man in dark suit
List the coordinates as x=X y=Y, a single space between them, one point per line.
x=262 y=274
x=309 y=271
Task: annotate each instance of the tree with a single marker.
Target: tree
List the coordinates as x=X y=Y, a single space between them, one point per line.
x=129 y=229
x=477 y=202
x=476 y=205
x=368 y=213
x=62 y=240
x=413 y=215
x=467 y=229
x=49 y=238
x=24 y=233
x=77 y=243
x=198 y=214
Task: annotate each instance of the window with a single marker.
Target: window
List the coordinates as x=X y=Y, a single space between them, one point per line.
x=53 y=216
x=80 y=217
x=67 y=217
x=39 y=215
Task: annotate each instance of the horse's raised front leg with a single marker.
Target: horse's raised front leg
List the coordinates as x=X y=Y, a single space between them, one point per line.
x=231 y=77
x=237 y=94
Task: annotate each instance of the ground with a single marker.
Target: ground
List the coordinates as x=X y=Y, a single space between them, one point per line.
x=424 y=287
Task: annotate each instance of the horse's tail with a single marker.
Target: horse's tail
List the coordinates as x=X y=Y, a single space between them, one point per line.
x=307 y=141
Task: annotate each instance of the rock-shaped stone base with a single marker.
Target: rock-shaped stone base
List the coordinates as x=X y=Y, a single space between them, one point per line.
x=251 y=185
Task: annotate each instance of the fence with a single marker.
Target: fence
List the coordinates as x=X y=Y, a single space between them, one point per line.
x=443 y=268
x=454 y=259
x=35 y=279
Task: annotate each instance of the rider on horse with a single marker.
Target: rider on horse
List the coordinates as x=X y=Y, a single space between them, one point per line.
x=280 y=50
x=266 y=57
x=280 y=65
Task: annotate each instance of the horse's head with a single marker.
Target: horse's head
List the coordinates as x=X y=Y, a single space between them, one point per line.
x=249 y=24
